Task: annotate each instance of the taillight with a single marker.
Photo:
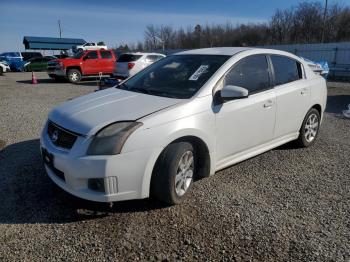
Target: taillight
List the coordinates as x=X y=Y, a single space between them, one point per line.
x=131 y=65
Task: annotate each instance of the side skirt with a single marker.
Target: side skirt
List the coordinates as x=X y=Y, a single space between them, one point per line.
x=241 y=156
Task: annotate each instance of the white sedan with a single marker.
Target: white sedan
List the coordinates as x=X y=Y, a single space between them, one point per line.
x=129 y=64
x=180 y=119
x=4 y=67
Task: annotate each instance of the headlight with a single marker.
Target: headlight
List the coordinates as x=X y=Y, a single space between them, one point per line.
x=110 y=139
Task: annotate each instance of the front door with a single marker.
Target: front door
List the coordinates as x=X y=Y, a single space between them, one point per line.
x=91 y=63
x=246 y=123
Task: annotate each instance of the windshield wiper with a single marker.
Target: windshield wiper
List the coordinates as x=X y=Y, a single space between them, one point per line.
x=141 y=90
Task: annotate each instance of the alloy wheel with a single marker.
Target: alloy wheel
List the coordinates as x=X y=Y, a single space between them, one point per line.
x=311 y=127
x=184 y=173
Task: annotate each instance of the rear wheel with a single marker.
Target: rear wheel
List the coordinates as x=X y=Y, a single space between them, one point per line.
x=309 y=129
x=74 y=75
x=173 y=174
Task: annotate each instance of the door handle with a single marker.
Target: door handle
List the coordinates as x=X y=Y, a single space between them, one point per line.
x=268 y=104
x=303 y=91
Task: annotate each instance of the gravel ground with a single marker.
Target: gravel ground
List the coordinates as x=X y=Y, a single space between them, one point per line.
x=287 y=204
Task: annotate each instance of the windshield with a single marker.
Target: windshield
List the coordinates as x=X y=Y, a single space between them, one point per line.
x=177 y=76
x=78 y=55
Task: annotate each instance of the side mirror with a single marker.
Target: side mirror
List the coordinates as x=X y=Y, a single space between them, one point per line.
x=233 y=92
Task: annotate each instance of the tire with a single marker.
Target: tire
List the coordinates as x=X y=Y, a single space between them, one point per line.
x=173 y=174
x=1 y=71
x=309 y=129
x=80 y=50
x=74 y=76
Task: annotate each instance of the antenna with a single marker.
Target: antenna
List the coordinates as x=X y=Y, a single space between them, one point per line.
x=59 y=28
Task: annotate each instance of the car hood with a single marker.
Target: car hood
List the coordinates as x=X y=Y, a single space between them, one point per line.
x=88 y=114
x=66 y=60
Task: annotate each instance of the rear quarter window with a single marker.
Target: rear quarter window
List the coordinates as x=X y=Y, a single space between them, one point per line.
x=286 y=69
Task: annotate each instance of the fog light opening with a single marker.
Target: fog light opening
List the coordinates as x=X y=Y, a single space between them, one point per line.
x=96 y=184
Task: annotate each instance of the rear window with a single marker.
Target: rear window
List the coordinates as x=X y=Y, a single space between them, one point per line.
x=129 y=58
x=106 y=54
x=286 y=70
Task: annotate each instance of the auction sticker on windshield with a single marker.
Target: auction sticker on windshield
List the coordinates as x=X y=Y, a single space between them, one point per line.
x=198 y=72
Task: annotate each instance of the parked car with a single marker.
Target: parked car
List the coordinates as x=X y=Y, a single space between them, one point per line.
x=17 y=60
x=182 y=118
x=131 y=63
x=62 y=56
x=4 y=67
x=38 y=64
x=27 y=55
x=86 y=63
x=90 y=46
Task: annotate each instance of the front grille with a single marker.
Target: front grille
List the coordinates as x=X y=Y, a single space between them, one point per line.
x=60 y=136
x=52 y=65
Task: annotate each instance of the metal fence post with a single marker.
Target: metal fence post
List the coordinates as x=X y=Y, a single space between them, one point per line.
x=335 y=60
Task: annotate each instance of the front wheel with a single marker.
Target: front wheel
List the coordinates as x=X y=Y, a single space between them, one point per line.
x=173 y=174
x=74 y=76
x=309 y=129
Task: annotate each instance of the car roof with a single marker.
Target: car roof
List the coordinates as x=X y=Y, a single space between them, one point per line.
x=231 y=51
x=215 y=51
x=142 y=53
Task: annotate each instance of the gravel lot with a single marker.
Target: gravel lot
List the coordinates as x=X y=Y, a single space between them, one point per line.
x=287 y=204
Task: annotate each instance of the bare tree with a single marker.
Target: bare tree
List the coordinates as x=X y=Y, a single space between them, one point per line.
x=299 y=24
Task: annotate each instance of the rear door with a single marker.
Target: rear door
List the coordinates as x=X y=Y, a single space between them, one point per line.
x=107 y=62
x=91 y=63
x=292 y=94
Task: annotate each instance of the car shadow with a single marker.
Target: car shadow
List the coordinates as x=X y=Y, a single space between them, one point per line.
x=83 y=82
x=27 y=194
x=43 y=81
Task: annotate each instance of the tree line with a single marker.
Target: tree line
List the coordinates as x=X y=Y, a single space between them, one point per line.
x=308 y=22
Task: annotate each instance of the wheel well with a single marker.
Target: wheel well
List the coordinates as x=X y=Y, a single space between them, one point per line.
x=74 y=67
x=318 y=108
x=201 y=150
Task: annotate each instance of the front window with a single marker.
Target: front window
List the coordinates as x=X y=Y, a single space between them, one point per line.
x=177 y=76
x=91 y=55
x=78 y=55
x=251 y=73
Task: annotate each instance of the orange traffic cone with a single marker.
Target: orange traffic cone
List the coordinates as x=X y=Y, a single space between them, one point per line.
x=34 y=80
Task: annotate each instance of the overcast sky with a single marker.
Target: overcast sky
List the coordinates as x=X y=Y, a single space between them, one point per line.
x=120 y=22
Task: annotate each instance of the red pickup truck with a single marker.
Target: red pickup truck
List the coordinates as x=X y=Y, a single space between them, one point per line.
x=86 y=63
